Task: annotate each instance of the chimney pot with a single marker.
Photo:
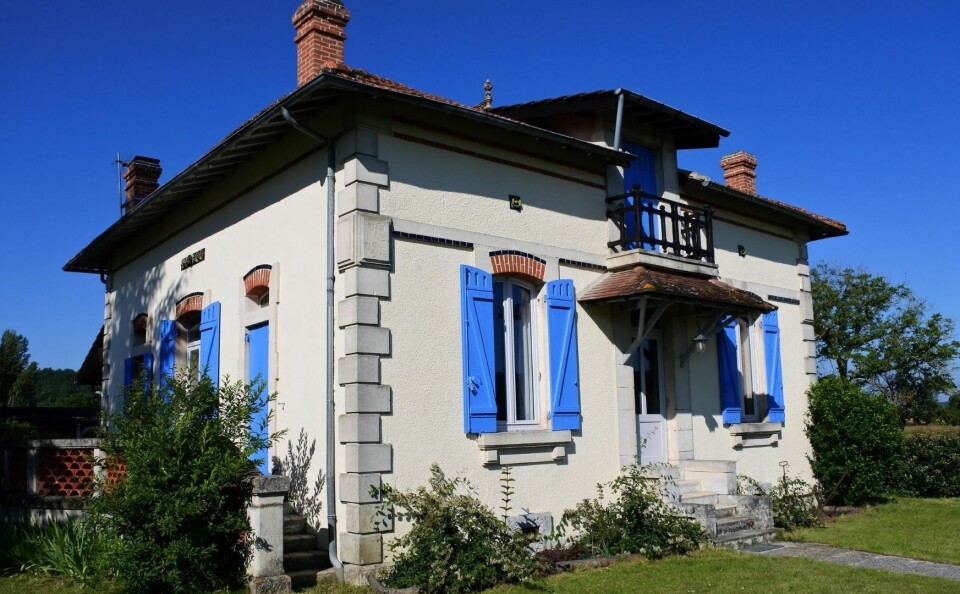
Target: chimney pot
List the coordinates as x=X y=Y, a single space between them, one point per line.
x=142 y=178
x=740 y=172
x=319 y=26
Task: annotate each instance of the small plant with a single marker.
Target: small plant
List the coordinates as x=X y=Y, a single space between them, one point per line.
x=71 y=549
x=636 y=520
x=506 y=491
x=794 y=501
x=296 y=466
x=456 y=543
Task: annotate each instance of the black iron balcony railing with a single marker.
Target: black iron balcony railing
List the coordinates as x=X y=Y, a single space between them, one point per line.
x=662 y=226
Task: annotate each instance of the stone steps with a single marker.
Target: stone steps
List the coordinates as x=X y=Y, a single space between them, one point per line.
x=734 y=524
x=294 y=524
x=303 y=559
x=746 y=538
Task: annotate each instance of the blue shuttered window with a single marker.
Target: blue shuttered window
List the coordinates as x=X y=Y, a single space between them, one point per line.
x=479 y=336
x=730 y=384
x=564 y=362
x=129 y=365
x=479 y=389
x=210 y=342
x=771 y=349
x=168 y=344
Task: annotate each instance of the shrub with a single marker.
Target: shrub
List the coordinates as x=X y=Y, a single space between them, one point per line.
x=177 y=520
x=636 y=520
x=931 y=464
x=856 y=441
x=456 y=543
x=794 y=501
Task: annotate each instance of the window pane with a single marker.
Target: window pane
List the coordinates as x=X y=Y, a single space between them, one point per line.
x=746 y=369
x=523 y=354
x=651 y=369
x=499 y=338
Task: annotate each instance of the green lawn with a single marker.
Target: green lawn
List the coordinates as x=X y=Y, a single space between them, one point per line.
x=720 y=571
x=916 y=528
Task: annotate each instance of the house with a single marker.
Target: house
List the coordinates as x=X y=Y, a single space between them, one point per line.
x=535 y=285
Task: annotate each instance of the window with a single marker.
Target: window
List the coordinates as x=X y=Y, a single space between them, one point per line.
x=188 y=343
x=515 y=351
x=751 y=380
x=501 y=345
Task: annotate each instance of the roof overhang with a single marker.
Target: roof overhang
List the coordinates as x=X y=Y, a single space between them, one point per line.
x=265 y=129
x=689 y=131
x=718 y=195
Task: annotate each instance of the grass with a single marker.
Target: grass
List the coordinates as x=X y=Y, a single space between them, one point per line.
x=916 y=528
x=932 y=429
x=720 y=571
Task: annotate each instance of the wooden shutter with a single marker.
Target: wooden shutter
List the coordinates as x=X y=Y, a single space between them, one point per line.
x=564 y=362
x=771 y=351
x=643 y=172
x=168 y=343
x=210 y=342
x=479 y=389
x=730 y=384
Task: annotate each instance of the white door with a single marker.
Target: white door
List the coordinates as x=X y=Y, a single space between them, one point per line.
x=648 y=382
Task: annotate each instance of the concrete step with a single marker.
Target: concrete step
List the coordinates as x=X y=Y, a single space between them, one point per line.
x=746 y=538
x=300 y=560
x=301 y=580
x=293 y=543
x=294 y=524
x=707 y=497
x=662 y=472
x=709 y=466
x=725 y=511
x=734 y=524
x=288 y=508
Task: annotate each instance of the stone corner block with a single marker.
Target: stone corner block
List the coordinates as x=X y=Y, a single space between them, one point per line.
x=358 y=310
x=363 y=239
x=367 y=398
x=275 y=584
x=361 y=549
x=371 y=340
x=359 y=428
x=356 y=488
x=368 y=518
x=362 y=369
x=368 y=457
x=373 y=282
x=363 y=197
x=367 y=169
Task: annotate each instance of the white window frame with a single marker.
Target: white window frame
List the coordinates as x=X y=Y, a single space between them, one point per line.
x=512 y=423
x=185 y=349
x=750 y=360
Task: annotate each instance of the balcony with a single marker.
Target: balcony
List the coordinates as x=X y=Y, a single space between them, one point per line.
x=654 y=224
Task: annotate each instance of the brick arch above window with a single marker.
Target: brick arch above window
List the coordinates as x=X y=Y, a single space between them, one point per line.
x=518 y=264
x=192 y=303
x=257 y=281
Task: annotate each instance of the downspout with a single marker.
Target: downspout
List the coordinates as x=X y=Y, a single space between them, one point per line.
x=619 y=124
x=331 y=271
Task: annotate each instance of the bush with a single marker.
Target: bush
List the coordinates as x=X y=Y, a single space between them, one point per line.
x=456 y=544
x=856 y=439
x=177 y=520
x=637 y=520
x=72 y=549
x=794 y=502
x=931 y=464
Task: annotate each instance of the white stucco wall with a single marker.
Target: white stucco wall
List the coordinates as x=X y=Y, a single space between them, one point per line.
x=281 y=223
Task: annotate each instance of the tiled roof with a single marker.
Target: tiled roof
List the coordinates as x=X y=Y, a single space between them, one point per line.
x=640 y=281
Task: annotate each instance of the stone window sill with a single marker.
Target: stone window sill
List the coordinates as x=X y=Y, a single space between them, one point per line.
x=752 y=435
x=523 y=447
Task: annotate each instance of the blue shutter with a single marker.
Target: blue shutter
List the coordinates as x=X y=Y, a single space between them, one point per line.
x=730 y=384
x=771 y=350
x=476 y=313
x=129 y=365
x=210 y=342
x=564 y=363
x=147 y=371
x=643 y=172
x=168 y=342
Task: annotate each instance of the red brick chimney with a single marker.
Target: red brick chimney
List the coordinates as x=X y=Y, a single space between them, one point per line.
x=319 y=37
x=142 y=178
x=740 y=172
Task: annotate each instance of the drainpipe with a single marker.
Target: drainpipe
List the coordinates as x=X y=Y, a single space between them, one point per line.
x=619 y=124
x=331 y=270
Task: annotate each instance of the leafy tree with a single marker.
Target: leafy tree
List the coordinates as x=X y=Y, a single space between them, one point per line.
x=14 y=360
x=882 y=336
x=950 y=410
x=176 y=521
x=57 y=387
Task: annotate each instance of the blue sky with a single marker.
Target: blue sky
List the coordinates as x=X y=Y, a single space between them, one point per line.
x=851 y=109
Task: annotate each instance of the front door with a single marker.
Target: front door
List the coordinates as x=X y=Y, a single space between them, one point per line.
x=648 y=383
x=258 y=370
